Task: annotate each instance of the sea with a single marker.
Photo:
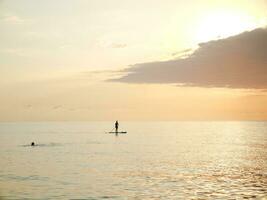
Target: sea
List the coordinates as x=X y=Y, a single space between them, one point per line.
x=154 y=160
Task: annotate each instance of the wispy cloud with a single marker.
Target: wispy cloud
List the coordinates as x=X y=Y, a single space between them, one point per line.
x=57 y=107
x=236 y=62
x=101 y=75
x=118 y=45
x=182 y=54
x=16 y=51
x=110 y=44
x=12 y=19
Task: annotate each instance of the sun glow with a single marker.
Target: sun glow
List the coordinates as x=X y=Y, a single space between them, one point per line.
x=222 y=24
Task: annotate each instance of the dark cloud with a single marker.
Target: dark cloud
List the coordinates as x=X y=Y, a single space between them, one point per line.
x=236 y=62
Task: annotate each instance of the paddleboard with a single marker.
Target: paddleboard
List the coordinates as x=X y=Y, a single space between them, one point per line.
x=119 y=132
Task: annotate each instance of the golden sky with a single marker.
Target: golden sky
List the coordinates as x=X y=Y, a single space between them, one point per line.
x=133 y=60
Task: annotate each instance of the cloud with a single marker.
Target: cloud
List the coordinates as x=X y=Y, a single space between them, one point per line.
x=12 y=19
x=109 y=44
x=101 y=75
x=182 y=54
x=28 y=106
x=57 y=107
x=16 y=51
x=118 y=45
x=236 y=62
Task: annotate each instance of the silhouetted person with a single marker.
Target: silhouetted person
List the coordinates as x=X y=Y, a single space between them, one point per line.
x=32 y=144
x=116 y=126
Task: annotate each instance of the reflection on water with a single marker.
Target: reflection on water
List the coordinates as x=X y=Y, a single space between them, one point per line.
x=159 y=160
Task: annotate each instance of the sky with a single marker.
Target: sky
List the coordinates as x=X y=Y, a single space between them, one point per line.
x=82 y=60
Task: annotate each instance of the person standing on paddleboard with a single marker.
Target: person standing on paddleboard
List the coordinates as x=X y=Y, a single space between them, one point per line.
x=116 y=126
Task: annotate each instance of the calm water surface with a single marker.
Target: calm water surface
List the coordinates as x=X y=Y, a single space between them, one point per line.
x=155 y=160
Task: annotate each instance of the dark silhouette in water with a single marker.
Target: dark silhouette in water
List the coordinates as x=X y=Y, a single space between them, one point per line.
x=32 y=144
x=116 y=126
